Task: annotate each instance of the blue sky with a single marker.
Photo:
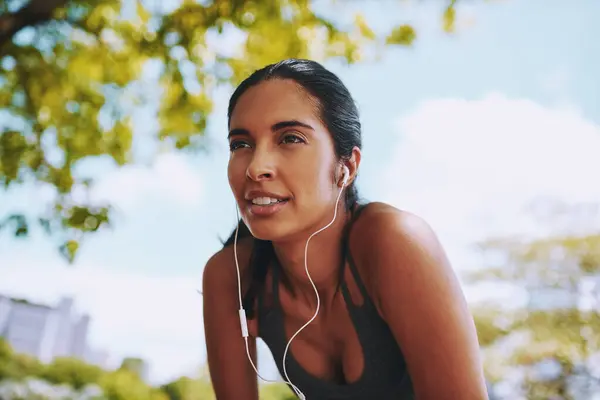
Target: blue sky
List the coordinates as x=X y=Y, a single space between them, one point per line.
x=465 y=130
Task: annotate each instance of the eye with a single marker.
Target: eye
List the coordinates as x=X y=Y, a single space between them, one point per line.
x=292 y=139
x=237 y=144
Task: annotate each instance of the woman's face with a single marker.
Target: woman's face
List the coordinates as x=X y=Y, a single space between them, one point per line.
x=282 y=163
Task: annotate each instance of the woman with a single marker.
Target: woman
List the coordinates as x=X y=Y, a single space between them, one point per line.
x=392 y=322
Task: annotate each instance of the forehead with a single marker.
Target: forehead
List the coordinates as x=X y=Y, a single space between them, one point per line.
x=274 y=101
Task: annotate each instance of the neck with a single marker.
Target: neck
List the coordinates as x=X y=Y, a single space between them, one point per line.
x=323 y=257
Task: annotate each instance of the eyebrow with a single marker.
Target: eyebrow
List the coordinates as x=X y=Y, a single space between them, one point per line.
x=274 y=128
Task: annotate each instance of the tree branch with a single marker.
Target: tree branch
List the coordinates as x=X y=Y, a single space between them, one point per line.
x=33 y=13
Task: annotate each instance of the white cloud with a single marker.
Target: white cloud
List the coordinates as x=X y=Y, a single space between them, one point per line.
x=171 y=178
x=470 y=167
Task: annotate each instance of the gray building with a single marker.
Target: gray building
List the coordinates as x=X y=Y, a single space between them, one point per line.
x=46 y=332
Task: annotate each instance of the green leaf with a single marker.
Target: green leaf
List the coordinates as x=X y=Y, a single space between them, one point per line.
x=403 y=35
x=449 y=18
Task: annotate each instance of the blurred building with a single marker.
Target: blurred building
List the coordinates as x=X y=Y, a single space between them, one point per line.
x=46 y=332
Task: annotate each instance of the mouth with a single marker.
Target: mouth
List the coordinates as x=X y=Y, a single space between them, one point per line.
x=266 y=206
x=266 y=201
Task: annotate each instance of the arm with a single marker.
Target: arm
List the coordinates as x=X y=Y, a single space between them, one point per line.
x=231 y=374
x=421 y=299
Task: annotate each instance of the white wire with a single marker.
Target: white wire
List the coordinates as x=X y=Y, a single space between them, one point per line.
x=244 y=328
x=287 y=347
x=242 y=311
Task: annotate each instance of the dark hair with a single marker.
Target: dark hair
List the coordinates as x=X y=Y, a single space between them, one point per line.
x=338 y=113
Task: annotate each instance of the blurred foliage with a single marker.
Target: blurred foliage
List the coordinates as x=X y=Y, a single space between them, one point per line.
x=554 y=261
x=17 y=366
x=557 y=332
x=72 y=372
x=492 y=324
x=134 y=365
x=74 y=72
x=124 y=383
x=276 y=391
x=189 y=389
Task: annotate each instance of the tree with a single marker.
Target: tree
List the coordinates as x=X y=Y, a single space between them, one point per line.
x=276 y=391
x=17 y=366
x=126 y=385
x=559 y=328
x=73 y=372
x=23 y=377
x=135 y=365
x=5 y=358
x=74 y=72
x=200 y=387
x=186 y=388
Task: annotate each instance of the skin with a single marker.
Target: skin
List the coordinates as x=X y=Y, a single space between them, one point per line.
x=399 y=258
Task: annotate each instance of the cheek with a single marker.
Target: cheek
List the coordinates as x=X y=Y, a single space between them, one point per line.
x=324 y=183
x=316 y=182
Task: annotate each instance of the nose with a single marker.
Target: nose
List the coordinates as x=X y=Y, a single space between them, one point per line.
x=261 y=167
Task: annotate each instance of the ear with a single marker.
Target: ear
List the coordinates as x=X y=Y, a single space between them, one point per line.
x=352 y=164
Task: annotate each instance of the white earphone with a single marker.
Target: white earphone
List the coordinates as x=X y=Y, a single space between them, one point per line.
x=345 y=176
x=242 y=312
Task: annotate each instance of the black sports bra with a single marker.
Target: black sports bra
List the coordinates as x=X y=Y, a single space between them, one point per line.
x=384 y=374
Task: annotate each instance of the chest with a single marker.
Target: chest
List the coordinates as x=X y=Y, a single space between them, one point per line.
x=329 y=347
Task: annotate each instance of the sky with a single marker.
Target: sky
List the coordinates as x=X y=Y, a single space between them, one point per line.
x=467 y=131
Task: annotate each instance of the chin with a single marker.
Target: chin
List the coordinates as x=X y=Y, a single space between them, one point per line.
x=268 y=229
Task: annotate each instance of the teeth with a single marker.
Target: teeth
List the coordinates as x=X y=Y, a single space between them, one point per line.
x=264 y=201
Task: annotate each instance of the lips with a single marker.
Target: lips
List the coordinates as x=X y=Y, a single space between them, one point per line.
x=265 y=201
x=262 y=203
x=263 y=197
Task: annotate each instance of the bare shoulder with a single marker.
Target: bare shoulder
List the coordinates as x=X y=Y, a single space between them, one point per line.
x=419 y=296
x=399 y=247
x=220 y=271
x=382 y=215
x=382 y=228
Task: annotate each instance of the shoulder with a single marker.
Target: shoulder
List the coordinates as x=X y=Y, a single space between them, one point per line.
x=381 y=218
x=398 y=247
x=220 y=269
x=383 y=230
x=419 y=296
